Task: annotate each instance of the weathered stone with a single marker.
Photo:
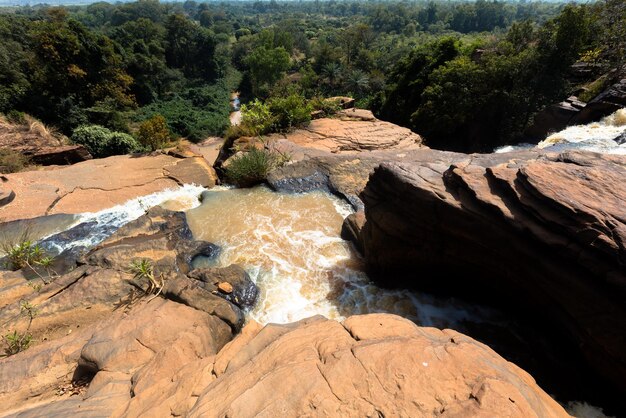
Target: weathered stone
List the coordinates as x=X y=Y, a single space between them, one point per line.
x=61 y=155
x=6 y=196
x=233 y=282
x=373 y=365
x=542 y=231
x=225 y=287
x=553 y=118
x=94 y=185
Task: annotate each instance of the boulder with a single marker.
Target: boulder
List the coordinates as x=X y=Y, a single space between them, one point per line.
x=6 y=196
x=554 y=118
x=607 y=102
x=61 y=155
x=370 y=365
x=540 y=230
x=232 y=283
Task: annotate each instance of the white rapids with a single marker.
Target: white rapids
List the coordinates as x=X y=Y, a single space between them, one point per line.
x=596 y=136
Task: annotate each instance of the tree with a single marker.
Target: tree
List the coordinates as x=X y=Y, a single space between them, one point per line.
x=267 y=66
x=154 y=133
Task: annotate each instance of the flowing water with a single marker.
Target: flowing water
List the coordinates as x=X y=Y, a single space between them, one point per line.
x=89 y=229
x=599 y=137
x=291 y=246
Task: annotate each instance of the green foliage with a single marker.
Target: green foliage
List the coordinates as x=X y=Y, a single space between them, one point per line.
x=252 y=167
x=11 y=161
x=101 y=142
x=267 y=66
x=24 y=253
x=594 y=88
x=256 y=118
x=327 y=106
x=153 y=133
x=142 y=269
x=289 y=111
x=19 y=341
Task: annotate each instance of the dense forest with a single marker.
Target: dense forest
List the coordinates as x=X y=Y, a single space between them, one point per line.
x=467 y=76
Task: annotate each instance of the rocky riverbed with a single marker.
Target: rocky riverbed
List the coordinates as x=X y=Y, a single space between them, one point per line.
x=540 y=234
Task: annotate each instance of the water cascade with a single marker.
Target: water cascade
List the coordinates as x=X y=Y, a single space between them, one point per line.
x=608 y=136
x=291 y=246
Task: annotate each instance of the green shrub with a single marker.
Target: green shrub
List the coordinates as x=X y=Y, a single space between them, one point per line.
x=289 y=111
x=14 y=116
x=101 y=142
x=256 y=118
x=252 y=167
x=23 y=252
x=154 y=133
x=329 y=107
x=20 y=341
x=11 y=161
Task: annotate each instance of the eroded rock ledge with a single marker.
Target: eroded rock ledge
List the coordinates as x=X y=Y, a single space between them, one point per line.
x=104 y=349
x=543 y=233
x=94 y=185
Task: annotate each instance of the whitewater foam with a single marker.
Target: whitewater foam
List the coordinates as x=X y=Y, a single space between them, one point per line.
x=103 y=223
x=291 y=247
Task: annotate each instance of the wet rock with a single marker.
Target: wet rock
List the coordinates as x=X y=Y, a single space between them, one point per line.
x=299 y=178
x=545 y=230
x=607 y=102
x=189 y=292
x=233 y=282
x=351 y=229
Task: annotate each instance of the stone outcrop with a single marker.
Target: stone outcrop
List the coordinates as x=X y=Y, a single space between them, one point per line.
x=94 y=185
x=371 y=365
x=545 y=231
x=554 y=118
x=162 y=358
x=572 y=111
x=607 y=102
x=41 y=145
x=352 y=131
x=95 y=326
x=104 y=348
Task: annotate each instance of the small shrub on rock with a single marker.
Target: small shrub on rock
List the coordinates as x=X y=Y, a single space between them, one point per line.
x=328 y=107
x=289 y=111
x=252 y=167
x=101 y=142
x=154 y=133
x=256 y=118
x=11 y=161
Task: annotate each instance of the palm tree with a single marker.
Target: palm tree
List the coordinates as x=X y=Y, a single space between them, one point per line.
x=357 y=81
x=331 y=71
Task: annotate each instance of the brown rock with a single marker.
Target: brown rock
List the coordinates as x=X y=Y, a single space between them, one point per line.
x=357 y=130
x=225 y=287
x=6 y=196
x=531 y=230
x=94 y=185
x=373 y=365
x=61 y=155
